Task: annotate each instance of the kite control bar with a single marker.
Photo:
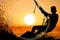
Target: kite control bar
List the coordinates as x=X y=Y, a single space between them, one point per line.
x=35 y=6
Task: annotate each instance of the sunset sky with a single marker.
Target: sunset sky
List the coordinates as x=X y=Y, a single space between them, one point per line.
x=15 y=11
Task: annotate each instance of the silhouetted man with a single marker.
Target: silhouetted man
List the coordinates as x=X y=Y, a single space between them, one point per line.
x=52 y=17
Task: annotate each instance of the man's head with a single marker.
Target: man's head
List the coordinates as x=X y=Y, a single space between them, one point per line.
x=53 y=9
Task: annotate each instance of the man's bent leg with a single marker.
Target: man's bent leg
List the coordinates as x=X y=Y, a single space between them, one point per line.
x=33 y=29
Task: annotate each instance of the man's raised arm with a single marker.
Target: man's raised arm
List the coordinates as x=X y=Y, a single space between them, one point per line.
x=43 y=12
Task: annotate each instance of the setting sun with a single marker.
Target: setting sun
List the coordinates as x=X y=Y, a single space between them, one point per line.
x=29 y=19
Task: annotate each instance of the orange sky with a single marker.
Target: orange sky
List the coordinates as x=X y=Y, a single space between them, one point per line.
x=15 y=10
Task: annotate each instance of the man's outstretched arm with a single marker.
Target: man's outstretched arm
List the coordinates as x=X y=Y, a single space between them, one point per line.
x=45 y=13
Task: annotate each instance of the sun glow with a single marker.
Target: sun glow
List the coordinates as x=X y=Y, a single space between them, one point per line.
x=29 y=19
